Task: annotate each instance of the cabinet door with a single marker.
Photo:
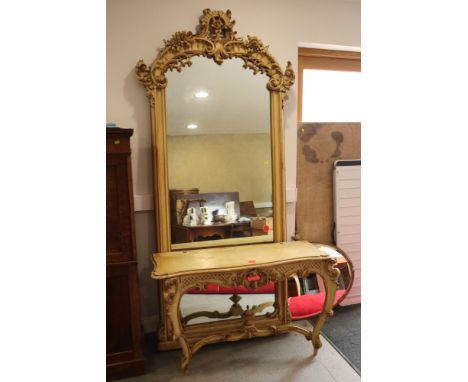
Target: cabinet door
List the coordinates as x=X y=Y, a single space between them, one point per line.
x=123 y=336
x=119 y=223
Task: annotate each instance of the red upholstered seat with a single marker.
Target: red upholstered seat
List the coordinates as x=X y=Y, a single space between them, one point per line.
x=309 y=305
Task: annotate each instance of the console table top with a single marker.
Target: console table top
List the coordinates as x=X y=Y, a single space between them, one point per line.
x=171 y=264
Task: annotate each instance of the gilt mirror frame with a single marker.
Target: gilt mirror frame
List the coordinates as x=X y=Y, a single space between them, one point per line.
x=215 y=39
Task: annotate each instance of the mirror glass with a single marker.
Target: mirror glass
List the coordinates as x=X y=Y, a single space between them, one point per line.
x=219 y=155
x=221 y=303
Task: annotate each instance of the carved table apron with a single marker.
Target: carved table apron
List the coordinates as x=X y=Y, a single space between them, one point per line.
x=251 y=266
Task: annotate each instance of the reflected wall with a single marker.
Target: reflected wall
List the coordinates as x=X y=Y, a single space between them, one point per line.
x=219 y=149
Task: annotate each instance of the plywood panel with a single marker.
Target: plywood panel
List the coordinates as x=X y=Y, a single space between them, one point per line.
x=318 y=146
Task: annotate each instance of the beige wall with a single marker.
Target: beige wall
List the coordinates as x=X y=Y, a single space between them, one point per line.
x=136 y=29
x=222 y=163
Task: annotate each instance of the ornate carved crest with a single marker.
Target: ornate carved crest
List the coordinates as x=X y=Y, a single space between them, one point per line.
x=215 y=39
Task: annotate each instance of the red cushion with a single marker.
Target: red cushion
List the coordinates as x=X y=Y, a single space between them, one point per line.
x=309 y=305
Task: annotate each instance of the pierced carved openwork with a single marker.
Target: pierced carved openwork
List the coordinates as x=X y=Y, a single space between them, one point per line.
x=215 y=39
x=256 y=278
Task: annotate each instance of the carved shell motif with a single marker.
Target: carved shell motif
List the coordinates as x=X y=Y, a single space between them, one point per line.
x=215 y=39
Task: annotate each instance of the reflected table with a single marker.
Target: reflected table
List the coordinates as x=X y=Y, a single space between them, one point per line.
x=188 y=234
x=251 y=266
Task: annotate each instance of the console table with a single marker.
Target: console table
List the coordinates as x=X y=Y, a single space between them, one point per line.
x=251 y=266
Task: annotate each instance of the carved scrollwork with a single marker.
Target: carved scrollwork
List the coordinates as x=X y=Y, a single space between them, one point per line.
x=217 y=25
x=169 y=291
x=276 y=310
x=249 y=331
x=201 y=281
x=179 y=41
x=215 y=39
x=288 y=77
x=257 y=277
x=333 y=272
x=143 y=73
x=255 y=45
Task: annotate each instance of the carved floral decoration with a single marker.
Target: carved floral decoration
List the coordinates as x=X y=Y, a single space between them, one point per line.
x=215 y=39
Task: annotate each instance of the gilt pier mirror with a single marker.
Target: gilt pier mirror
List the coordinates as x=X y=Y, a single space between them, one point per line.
x=216 y=103
x=202 y=102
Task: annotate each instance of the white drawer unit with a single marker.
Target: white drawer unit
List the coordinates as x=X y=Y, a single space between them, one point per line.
x=347 y=214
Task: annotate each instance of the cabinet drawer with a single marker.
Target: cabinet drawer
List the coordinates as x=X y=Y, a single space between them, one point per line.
x=117 y=144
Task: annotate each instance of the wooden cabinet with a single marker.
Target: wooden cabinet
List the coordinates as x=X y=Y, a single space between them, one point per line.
x=123 y=328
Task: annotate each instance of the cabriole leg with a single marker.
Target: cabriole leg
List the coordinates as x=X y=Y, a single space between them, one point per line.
x=330 y=276
x=172 y=296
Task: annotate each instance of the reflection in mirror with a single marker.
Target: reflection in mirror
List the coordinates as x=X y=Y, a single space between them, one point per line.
x=219 y=154
x=221 y=303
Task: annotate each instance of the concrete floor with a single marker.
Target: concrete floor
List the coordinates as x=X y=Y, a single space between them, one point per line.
x=280 y=358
